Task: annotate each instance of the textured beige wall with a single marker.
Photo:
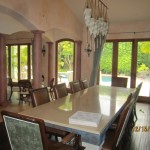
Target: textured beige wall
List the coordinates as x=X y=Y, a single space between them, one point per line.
x=129 y=30
x=50 y=16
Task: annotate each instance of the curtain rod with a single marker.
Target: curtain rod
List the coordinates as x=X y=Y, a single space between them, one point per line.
x=129 y=32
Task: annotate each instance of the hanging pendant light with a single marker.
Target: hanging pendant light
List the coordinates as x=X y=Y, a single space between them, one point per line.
x=95 y=15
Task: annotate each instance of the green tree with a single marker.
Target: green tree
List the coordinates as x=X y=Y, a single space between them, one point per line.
x=106 y=58
x=124 y=58
x=145 y=47
x=65 y=55
x=143 y=56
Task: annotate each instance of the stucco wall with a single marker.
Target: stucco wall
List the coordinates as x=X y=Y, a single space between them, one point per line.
x=45 y=15
x=129 y=30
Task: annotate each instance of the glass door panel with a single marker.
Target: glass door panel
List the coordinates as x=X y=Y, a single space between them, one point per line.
x=31 y=63
x=14 y=63
x=106 y=64
x=143 y=67
x=7 y=61
x=65 y=61
x=124 y=60
x=23 y=62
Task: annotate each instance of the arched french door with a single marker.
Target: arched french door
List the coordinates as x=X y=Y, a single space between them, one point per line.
x=65 y=61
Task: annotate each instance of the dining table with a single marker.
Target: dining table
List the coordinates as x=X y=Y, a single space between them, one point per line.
x=108 y=101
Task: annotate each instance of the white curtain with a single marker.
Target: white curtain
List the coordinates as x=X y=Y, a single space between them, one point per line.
x=99 y=44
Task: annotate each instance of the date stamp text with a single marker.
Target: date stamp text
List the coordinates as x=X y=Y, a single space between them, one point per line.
x=141 y=129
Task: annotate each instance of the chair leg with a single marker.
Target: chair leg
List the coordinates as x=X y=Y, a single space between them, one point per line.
x=21 y=99
x=56 y=138
x=53 y=137
x=52 y=95
x=78 y=143
x=10 y=94
x=28 y=99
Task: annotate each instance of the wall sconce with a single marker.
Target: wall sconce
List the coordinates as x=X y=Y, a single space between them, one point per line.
x=88 y=50
x=43 y=50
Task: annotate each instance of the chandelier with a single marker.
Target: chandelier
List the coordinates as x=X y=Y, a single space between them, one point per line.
x=95 y=16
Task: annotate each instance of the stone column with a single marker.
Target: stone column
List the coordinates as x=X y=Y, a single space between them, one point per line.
x=3 y=79
x=50 y=62
x=77 y=60
x=37 y=59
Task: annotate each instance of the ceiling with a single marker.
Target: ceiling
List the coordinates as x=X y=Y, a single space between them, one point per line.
x=118 y=10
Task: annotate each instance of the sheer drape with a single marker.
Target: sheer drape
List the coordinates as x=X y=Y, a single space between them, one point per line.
x=99 y=44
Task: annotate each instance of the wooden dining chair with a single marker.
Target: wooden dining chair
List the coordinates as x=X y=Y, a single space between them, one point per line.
x=114 y=137
x=28 y=133
x=39 y=96
x=119 y=81
x=75 y=86
x=24 y=87
x=60 y=90
x=84 y=84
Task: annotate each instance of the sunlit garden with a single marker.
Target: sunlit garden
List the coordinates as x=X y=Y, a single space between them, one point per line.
x=65 y=61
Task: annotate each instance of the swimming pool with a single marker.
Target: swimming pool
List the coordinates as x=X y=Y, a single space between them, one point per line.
x=106 y=78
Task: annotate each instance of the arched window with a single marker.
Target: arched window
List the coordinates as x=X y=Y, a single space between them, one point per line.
x=65 y=61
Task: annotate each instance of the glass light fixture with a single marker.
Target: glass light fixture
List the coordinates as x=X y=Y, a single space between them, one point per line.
x=88 y=50
x=95 y=15
x=43 y=50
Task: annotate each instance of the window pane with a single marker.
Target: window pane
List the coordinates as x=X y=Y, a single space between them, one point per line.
x=124 y=60
x=7 y=61
x=65 y=61
x=106 y=64
x=31 y=63
x=14 y=63
x=143 y=67
x=23 y=62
